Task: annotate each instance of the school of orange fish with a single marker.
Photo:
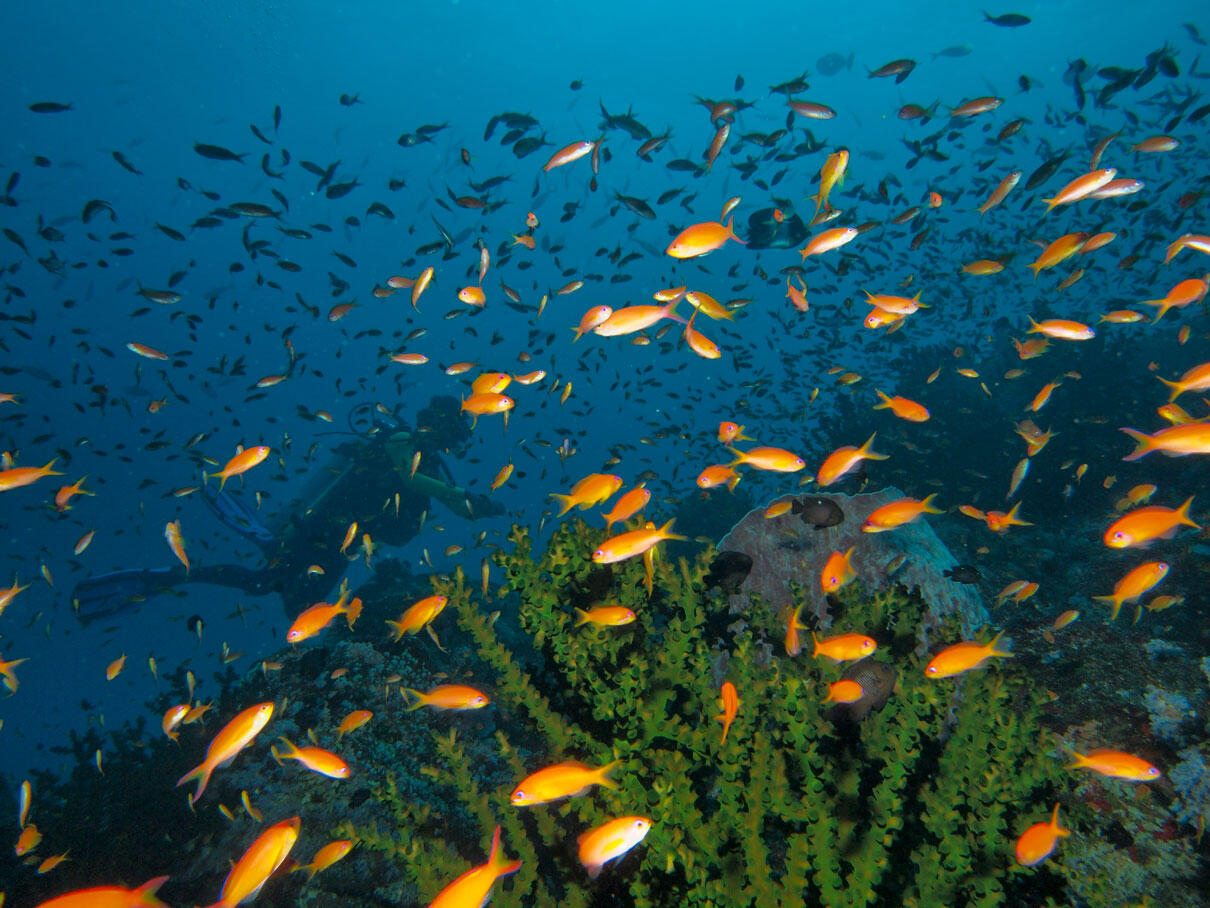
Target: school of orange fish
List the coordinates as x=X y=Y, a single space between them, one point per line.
x=1080 y=208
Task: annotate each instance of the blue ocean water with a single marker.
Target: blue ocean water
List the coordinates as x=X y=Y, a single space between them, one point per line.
x=149 y=80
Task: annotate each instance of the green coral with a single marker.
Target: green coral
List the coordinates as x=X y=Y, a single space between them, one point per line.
x=918 y=804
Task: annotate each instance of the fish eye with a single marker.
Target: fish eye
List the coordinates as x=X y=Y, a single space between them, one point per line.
x=931 y=670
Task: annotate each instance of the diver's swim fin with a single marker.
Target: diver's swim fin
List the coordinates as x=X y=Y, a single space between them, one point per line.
x=112 y=594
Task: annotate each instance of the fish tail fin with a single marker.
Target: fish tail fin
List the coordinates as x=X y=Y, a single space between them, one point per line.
x=603 y=777
x=815 y=641
x=415 y=693
x=47 y=469
x=566 y=501
x=734 y=481
x=144 y=896
x=1113 y=601
x=1145 y=444
x=818 y=197
x=496 y=860
x=199 y=774
x=581 y=617
x=739 y=456
x=666 y=531
x=993 y=648
x=731 y=231
x=1182 y=514
x=927 y=505
x=1176 y=388
x=886 y=401
x=397 y=628
x=868 y=453
x=1079 y=760
x=354 y=611
x=1163 y=305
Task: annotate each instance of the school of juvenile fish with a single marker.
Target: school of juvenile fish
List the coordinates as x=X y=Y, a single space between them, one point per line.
x=935 y=308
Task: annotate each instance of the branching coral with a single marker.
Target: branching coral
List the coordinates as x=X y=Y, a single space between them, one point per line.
x=918 y=804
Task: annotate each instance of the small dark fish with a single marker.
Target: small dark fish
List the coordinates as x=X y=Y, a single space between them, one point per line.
x=793 y=87
x=1193 y=33
x=381 y=210
x=163 y=297
x=1008 y=20
x=93 y=207
x=576 y=84
x=964 y=573
x=831 y=64
x=170 y=233
x=194 y=624
x=15 y=239
x=1024 y=82
x=217 y=152
x=1045 y=172
x=739 y=83
x=527 y=146
x=49 y=107
x=276 y=117
x=900 y=69
x=1200 y=113
x=430 y=130
x=340 y=190
x=350 y=100
x=121 y=159
x=954 y=50
x=260 y=135
x=818 y=512
x=638 y=206
x=728 y=571
x=253 y=210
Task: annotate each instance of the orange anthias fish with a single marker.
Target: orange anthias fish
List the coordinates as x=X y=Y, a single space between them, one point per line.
x=1175 y=441
x=1180 y=296
x=1136 y=583
x=593 y=489
x=111 y=897
x=449 y=696
x=610 y=840
x=902 y=407
x=962 y=657
x=729 y=432
x=897 y=513
x=627 y=506
x=1144 y=525
x=830 y=176
x=418 y=615
x=635 y=542
x=997 y=521
x=837 y=571
x=16 y=477
x=843 y=647
x=563 y=780
x=353 y=721
x=242 y=462
x=1195 y=379
x=844 y=691
x=1036 y=843
x=258 y=863
x=176 y=542
x=843 y=460
x=474 y=888
x=700 y=239
x=234 y=737
x=327 y=856
x=1115 y=764
x=67 y=493
x=777 y=460
x=314 y=619
x=315 y=759
x=605 y=616
x=793 y=626
x=730 y=708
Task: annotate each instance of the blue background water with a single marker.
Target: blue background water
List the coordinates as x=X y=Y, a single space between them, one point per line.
x=149 y=79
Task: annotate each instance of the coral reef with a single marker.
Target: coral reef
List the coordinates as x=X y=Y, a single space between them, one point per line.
x=915 y=805
x=785 y=548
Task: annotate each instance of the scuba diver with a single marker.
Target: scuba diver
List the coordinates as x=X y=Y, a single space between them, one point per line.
x=767 y=231
x=376 y=482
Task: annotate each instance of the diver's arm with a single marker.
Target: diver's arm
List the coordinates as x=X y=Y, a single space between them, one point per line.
x=454 y=498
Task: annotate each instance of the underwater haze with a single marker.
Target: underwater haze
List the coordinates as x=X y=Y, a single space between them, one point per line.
x=710 y=455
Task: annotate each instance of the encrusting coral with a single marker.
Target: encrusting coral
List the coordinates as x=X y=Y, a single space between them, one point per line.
x=917 y=804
